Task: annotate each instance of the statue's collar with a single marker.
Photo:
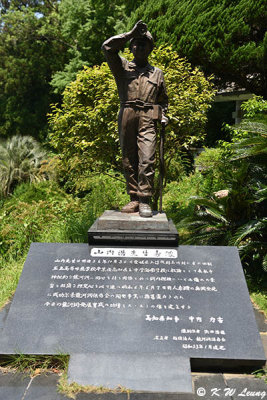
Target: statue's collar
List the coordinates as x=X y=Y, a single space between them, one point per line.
x=148 y=67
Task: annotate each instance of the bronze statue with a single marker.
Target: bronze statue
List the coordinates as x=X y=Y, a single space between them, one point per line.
x=144 y=101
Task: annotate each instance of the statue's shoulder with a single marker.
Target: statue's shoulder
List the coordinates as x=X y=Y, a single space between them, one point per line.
x=157 y=71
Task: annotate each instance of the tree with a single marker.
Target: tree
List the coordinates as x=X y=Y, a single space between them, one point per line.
x=227 y=38
x=85 y=24
x=84 y=129
x=44 y=43
x=30 y=52
x=5 y=5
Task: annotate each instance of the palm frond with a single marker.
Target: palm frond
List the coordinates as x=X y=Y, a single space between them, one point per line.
x=20 y=160
x=254 y=146
x=247 y=229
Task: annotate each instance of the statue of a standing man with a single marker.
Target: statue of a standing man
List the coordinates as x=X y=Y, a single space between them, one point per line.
x=144 y=101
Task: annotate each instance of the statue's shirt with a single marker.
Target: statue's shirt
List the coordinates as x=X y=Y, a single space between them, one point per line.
x=135 y=83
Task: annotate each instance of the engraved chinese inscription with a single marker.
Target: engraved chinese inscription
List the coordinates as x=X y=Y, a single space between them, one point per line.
x=152 y=282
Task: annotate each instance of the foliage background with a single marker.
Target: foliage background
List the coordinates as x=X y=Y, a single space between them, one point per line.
x=84 y=128
x=226 y=38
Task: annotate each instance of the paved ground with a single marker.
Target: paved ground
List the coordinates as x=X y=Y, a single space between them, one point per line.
x=17 y=386
x=206 y=386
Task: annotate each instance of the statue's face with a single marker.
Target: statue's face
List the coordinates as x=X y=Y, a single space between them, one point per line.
x=140 y=49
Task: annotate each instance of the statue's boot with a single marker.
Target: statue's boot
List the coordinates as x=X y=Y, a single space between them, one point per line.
x=131 y=207
x=144 y=208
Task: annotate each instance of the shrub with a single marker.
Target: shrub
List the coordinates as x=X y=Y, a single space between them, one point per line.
x=239 y=216
x=43 y=212
x=177 y=199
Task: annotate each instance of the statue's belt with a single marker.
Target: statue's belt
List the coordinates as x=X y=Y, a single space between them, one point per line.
x=141 y=105
x=137 y=104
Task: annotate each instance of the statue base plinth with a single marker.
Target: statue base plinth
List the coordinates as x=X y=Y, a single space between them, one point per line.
x=131 y=229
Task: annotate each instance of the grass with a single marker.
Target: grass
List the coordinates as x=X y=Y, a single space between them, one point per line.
x=261 y=374
x=9 y=277
x=34 y=364
x=72 y=389
x=258 y=294
x=259 y=299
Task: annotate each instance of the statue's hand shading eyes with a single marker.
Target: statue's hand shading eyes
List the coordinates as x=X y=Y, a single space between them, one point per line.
x=139 y=29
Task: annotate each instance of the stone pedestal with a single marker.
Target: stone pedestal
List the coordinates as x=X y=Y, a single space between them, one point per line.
x=116 y=227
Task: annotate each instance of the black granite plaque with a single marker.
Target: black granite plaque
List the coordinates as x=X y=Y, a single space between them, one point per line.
x=188 y=301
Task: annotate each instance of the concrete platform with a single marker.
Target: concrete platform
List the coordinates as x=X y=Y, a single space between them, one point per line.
x=115 y=227
x=116 y=220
